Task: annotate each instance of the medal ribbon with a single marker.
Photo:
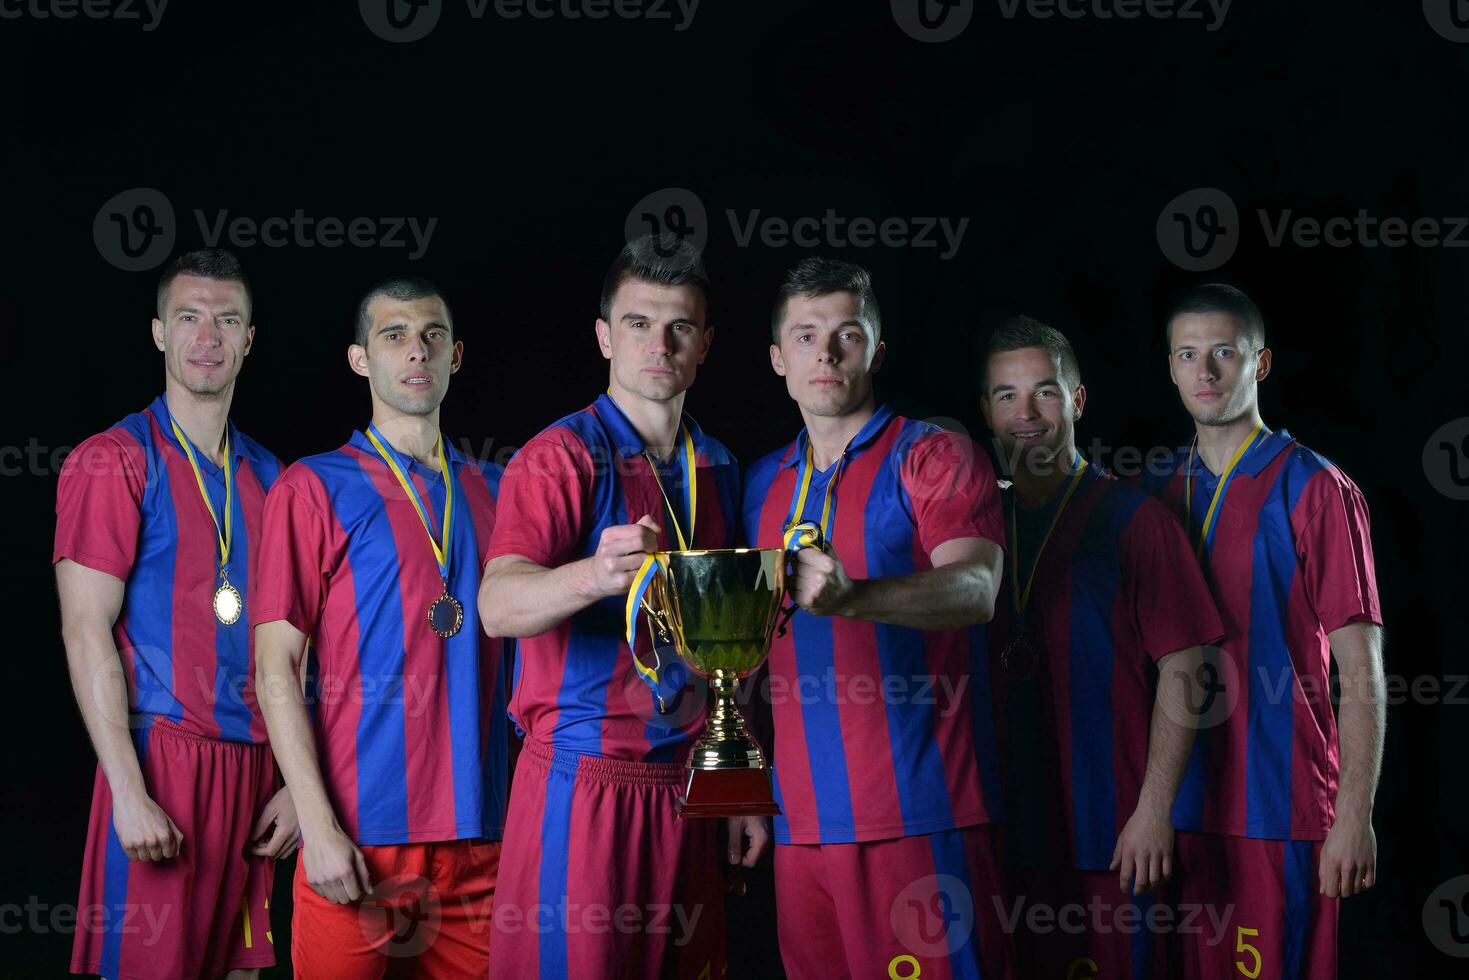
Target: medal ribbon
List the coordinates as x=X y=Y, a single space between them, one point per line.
x=1020 y=597
x=1206 y=533
x=794 y=523
x=441 y=551
x=653 y=676
x=223 y=530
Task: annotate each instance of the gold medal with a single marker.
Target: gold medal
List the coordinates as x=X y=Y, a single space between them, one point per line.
x=227 y=604
x=445 y=615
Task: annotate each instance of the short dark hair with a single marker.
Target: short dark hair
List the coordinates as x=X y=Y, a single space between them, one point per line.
x=405 y=288
x=818 y=276
x=1020 y=332
x=209 y=263
x=663 y=260
x=1218 y=297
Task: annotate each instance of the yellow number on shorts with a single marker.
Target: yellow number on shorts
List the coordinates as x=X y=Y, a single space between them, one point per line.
x=707 y=973
x=1240 y=946
x=1085 y=962
x=904 y=960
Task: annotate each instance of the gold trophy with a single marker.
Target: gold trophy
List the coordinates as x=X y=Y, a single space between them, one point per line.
x=719 y=609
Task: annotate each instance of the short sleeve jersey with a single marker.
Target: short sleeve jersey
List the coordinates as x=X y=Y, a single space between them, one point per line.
x=881 y=731
x=409 y=725
x=575 y=686
x=1290 y=561
x=128 y=504
x=1115 y=590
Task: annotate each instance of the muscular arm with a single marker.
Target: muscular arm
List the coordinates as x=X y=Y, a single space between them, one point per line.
x=335 y=867
x=518 y=597
x=90 y=604
x=1144 y=851
x=1349 y=856
x=958 y=591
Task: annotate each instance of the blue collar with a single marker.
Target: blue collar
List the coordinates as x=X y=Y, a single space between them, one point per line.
x=864 y=437
x=1260 y=456
x=162 y=416
x=456 y=459
x=625 y=438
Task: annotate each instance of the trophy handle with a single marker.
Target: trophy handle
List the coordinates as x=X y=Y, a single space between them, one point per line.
x=782 y=625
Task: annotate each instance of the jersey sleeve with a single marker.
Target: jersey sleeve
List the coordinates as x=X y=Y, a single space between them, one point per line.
x=1172 y=607
x=294 y=553
x=953 y=491
x=543 y=500
x=1334 y=545
x=99 y=501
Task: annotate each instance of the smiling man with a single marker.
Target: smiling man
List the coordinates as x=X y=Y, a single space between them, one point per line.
x=1100 y=629
x=1277 y=808
x=373 y=552
x=884 y=761
x=158 y=527
x=600 y=856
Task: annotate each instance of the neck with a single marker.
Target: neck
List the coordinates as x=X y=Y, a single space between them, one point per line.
x=656 y=423
x=412 y=435
x=1034 y=489
x=1217 y=444
x=830 y=434
x=203 y=419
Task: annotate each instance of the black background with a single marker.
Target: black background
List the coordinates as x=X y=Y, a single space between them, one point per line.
x=531 y=140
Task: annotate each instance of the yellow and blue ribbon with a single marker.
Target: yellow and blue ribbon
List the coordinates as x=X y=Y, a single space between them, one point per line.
x=224 y=530
x=441 y=550
x=1206 y=533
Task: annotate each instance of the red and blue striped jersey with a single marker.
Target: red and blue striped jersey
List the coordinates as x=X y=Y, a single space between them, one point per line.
x=575 y=685
x=1290 y=561
x=881 y=731
x=1116 y=589
x=127 y=504
x=409 y=725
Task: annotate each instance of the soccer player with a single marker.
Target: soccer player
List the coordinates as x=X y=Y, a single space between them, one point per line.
x=884 y=760
x=1278 y=809
x=157 y=533
x=605 y=879
x=1104 y=607
x=374 y=551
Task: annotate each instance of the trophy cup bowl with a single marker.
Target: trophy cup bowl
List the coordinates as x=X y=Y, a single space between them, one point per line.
x=721 y=607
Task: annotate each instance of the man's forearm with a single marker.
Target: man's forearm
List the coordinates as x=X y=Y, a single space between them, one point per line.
x=519 y=598
x=101 y=691
x=950 y=597
x=283 y=706
x=1361 y=726
x=1170 y=739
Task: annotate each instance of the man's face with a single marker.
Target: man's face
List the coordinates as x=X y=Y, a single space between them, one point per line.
x=205 y=334
x=1029 y=408
x=410 y=353
x=826 y=354
x=657 y=338
x=1215 y=366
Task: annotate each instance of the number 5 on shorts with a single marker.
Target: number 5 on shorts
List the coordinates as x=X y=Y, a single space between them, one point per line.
x=1240 y=946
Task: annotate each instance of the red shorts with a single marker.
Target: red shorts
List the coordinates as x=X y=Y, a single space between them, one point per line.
x=913 y=906
x=604 y=879
x=428 y=915
x=1079 y=925
x=1276 y=922
x=207 y=909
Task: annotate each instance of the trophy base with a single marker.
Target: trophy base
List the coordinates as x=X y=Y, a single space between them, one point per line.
x=728 y=793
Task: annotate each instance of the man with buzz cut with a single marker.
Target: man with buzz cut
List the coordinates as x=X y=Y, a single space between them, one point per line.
x=373 y=552
x=1275 y=811
x=158 y=524
x=884 y=761
x=604 y=878
x=1100 y=631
